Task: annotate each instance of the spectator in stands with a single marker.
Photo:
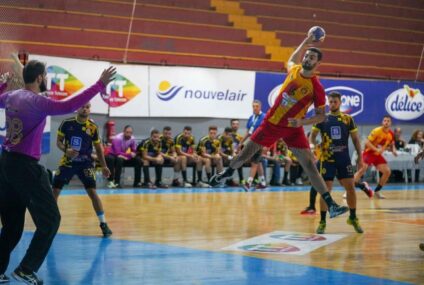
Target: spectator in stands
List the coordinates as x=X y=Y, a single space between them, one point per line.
x=169 y=154
x=417 y=138
x=227 y=151
x=184 y=146
x=208 y=149
x=237 y=138
x=399 y=141
x=279 y=152
x=122 y=154
x=252 y=124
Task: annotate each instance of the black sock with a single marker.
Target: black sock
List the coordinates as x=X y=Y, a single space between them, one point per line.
x=146 y=174
x=199 y=175
x=360 y=185
x=323 y=215
x=312 y=198
x=158 y=170
x=352 y=215
x=240 y=173
x=327 y=198
x=286 y=173
x=229 y=172
x=184 y=173
x=378 y=188
x=208 y=175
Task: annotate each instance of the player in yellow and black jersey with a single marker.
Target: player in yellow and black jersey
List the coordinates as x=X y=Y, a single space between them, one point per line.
x=208 y=149
x=334 y=159
x=169 y=154
x=151 y=153
x=76 y=137
x=184 y=146
x=237 y=140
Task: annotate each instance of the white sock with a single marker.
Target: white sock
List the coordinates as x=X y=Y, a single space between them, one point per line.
x=250 y=180
x=101 y=216
x=262 y=180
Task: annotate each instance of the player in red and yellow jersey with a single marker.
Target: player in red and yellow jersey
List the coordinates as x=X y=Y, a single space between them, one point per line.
x=286 y=118
x=379 y=140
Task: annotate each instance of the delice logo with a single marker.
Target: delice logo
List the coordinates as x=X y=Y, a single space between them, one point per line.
x=120 y=91
x=61 y=83
x=405 y=104
x=270 y=248
x=166 y=92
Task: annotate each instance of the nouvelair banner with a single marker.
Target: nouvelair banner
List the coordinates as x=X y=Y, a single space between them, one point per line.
x=200 y=92
x=366 y=100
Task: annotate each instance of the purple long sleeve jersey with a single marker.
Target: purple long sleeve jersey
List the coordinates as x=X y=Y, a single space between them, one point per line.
x=123 y=147
x=26 y=114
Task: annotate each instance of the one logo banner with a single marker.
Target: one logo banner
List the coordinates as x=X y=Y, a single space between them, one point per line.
x=200 y=92
x=366 y=100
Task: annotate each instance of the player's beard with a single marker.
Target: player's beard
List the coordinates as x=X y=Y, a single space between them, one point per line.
x=307 y=66
x=43 y=87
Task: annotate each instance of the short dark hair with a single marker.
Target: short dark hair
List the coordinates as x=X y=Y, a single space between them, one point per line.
x=167 y=128
x=32 y=70
x=387 y=116
x=317 y=51
x=213 y=128
x=233 y=120
x=127 y=126
x=187 y=128
x=154 y=131
x=335 y=94
x=228 y=130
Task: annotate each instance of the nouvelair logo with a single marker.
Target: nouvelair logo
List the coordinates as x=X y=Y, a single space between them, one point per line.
x=61 y=83
x=120 y=91
x=167 y=92
x=405 y=103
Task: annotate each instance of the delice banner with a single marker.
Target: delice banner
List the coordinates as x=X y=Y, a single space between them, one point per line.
x=200 y=92
x=366 y=100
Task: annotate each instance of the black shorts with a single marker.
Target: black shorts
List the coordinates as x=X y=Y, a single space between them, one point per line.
x=85 y=172
x=341 y=168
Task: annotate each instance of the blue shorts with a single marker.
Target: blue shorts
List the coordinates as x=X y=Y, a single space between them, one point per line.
x=341 y=168
x=85 y=172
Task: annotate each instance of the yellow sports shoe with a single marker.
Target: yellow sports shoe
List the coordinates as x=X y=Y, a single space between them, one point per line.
x=321 y=227
x=355 y=224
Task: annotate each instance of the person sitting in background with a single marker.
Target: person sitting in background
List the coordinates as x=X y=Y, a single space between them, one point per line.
x=400 y=143
x=278 y=154
x=237 y=138
x=418 y=139
x=122 y=154
x=184 y=144
x=227 y=151
x=169 y=154
x=208 y=149
x=150 y=151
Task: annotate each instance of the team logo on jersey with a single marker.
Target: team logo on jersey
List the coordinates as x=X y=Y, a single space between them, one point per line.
x=120 y=91
x=61 y=83
x=166 y=91
x=336 y=132
x=76 y=143
x=405 y=104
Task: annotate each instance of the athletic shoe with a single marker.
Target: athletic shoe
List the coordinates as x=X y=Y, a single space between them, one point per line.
x=187 y=185
x=308 y=211
x=355 y=224
x=299 y=181
x=260 y=186
x=31 y=278
x=161 y=185
x=137 y=185
x=321 y=227
x=336 y=210
x=111 y=185
x=105 y=230
x=246 y=186
x=422 y=246
x=202 y=184
x=218 y=179
x=4 y=278
x=378 y=195
x=367 y=189
x=149 y=185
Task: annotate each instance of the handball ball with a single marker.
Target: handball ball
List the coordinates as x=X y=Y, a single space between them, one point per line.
x=318 y=33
